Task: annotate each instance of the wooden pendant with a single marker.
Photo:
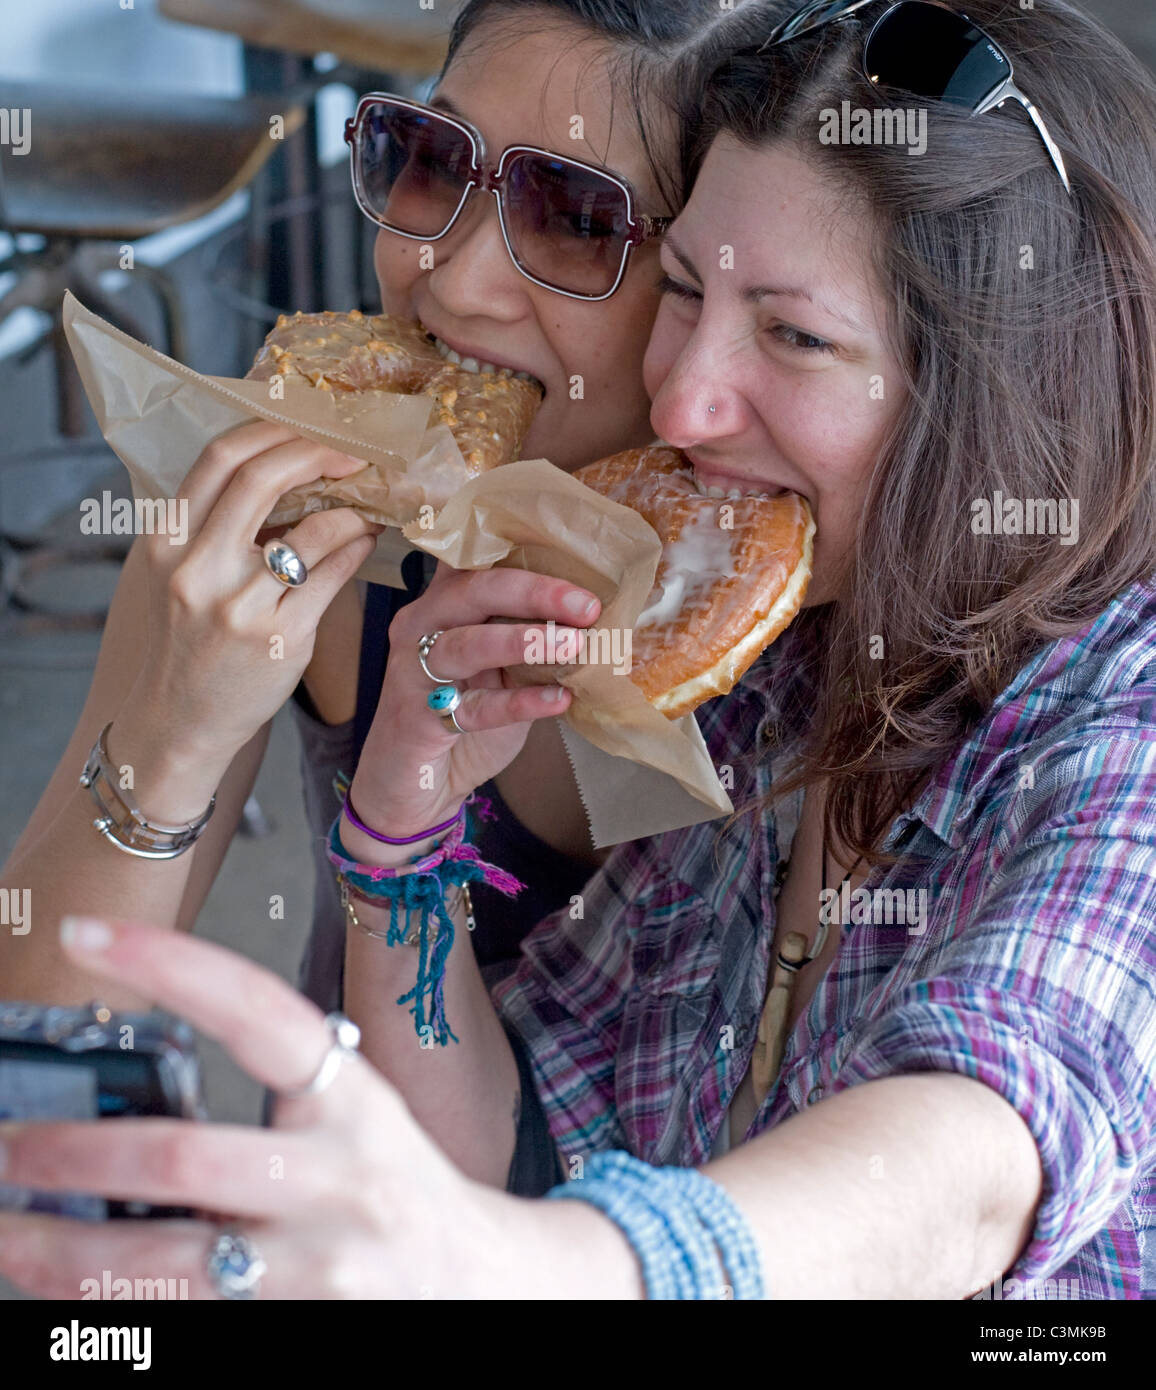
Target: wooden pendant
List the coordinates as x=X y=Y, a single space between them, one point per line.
x=772 y=1034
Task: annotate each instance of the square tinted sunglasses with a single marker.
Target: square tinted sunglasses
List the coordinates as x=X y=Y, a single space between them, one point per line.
x=922 y=47
x=568 y=226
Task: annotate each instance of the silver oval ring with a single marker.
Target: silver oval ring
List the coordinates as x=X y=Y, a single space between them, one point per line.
x=346 y=1036
x=234 y=1266
x=285 y=565
x=424 y=647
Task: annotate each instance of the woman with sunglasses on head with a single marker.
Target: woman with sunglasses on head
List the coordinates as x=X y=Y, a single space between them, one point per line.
x=933 y=912
x=961 y=1094
x=555 y=276
x=965 y=709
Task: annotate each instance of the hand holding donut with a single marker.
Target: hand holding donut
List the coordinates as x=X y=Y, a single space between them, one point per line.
x=448 y=719
x=232 y=623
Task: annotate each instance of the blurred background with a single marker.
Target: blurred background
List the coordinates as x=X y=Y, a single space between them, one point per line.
x=151 y=122
x=151 y=131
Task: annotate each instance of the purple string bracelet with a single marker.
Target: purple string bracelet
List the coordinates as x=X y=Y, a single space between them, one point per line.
x=356 y=820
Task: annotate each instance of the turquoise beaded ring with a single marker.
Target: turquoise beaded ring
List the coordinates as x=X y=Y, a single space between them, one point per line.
x=445 y=699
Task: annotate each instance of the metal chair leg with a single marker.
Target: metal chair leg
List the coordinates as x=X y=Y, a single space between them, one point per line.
x=172 y=311
x=255 y=824
x=71 y=402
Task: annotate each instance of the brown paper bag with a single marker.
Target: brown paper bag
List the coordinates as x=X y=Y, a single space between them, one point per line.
x=157 y=415
x=638 y=773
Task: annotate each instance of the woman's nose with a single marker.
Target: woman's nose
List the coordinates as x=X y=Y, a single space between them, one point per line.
x=472 y=272
x=696 y=402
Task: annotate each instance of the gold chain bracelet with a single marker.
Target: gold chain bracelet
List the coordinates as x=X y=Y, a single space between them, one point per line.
x=349 y=892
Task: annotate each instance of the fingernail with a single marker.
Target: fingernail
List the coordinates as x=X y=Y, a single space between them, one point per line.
x=553 y=693
x=85 y=933
x=580 y=604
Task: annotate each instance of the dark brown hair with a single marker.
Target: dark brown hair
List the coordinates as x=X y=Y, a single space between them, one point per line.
x=1040 y=383
x=653 y=40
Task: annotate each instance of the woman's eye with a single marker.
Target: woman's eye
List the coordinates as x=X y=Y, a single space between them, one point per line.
x=680 y=291
x=804 y=342
x=585 y=229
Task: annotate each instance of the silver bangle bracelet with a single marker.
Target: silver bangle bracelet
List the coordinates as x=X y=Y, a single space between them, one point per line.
x=122 y=824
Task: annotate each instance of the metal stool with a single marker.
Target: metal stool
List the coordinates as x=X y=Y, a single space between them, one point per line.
x=105 y=168
x=108 y=167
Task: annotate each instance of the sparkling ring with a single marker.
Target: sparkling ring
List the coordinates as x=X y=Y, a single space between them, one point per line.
x=424 y=647
x=346 y=1035
x=284 y=564
x=234 y=1267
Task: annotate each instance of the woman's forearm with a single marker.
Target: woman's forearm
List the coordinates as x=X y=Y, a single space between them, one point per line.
x=465 y=1094
x=913 y=1187
x=918 y=1186
x=70 y=868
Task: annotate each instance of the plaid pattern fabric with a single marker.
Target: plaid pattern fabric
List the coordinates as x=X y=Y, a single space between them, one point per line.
x=1033 y=968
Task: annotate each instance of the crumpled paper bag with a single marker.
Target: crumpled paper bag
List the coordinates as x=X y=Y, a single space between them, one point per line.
x=638 y=773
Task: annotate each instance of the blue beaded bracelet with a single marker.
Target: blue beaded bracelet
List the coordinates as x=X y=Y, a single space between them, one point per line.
x=683 y=1226
x=664 y=1274
x=725 y=1223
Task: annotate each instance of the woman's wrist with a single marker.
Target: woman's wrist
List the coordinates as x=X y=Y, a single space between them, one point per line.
x=361 y=817
x=558 y=1250
x=169 y=783
x=366 y=850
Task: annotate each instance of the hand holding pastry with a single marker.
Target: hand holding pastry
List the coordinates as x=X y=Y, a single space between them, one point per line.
x=420 y=763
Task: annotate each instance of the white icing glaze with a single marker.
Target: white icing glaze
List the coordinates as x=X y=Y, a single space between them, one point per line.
x=690 y=567
x=721 y=677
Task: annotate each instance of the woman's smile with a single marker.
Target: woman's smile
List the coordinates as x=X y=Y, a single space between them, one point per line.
x=764 y=366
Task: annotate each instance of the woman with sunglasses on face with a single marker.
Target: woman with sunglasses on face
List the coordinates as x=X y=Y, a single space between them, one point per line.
x=965 y=709
x=556 y=276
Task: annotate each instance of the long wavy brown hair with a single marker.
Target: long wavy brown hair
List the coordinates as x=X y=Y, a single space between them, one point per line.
x=1039 y=383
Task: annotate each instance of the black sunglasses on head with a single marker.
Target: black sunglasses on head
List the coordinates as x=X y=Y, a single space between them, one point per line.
x=921 y=46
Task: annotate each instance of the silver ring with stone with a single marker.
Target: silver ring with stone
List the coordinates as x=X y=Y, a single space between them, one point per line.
x=424 y=647
x=346 y=1036
x=285 y=565
x=234 y=1266
x=445 y=699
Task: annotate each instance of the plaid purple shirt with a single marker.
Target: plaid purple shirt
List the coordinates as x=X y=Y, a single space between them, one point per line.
x=1034 y=969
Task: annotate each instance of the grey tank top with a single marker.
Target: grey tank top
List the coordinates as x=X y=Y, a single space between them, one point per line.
x=325 y=750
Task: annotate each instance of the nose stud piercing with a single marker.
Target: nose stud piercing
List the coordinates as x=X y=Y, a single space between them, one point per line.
x=712 y=408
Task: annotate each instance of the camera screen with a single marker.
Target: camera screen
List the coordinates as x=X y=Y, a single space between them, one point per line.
x=49 y=1091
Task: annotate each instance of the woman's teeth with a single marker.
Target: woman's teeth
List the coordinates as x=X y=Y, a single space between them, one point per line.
x=734 y=493
x=471 y=364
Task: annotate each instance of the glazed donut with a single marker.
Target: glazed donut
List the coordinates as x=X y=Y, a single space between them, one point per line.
x=488 y=413
x=727 y=583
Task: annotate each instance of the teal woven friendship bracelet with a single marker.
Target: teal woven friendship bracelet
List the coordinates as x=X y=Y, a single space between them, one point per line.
x=683 y=1226
x=421 y=888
